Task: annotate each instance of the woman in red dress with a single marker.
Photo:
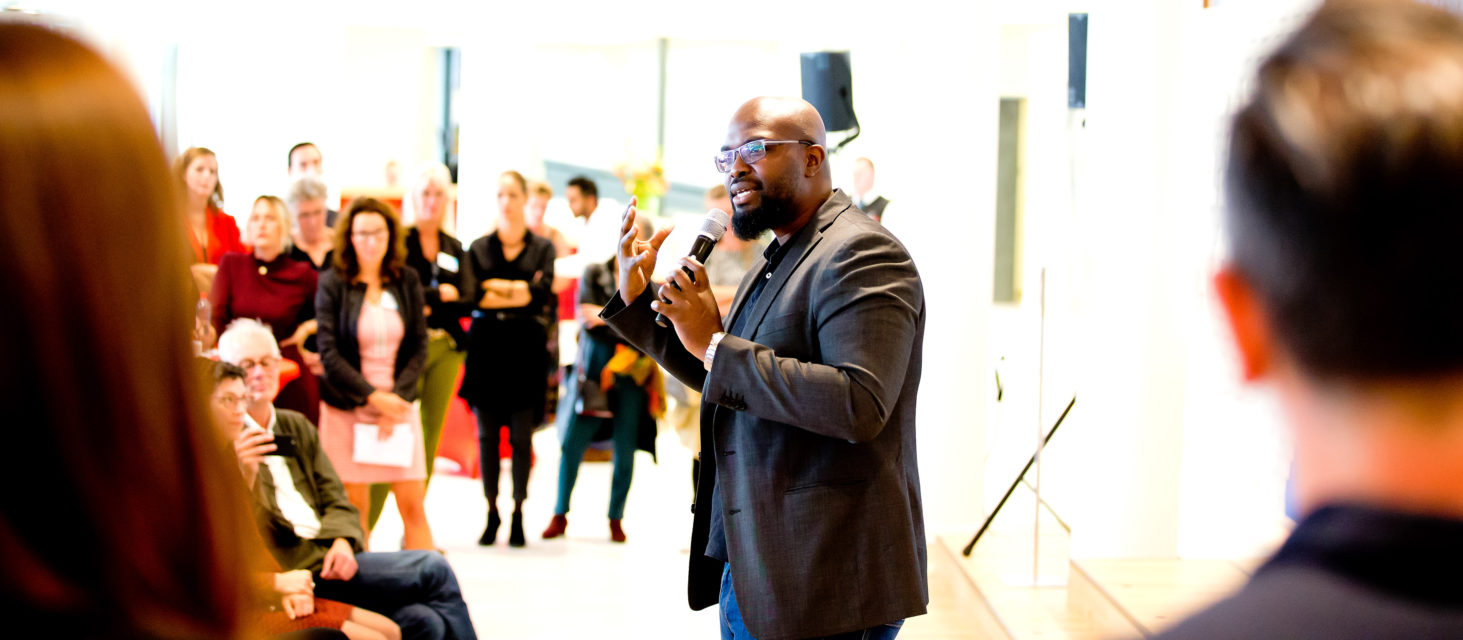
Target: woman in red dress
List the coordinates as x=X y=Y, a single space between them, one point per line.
x=268 y=285
x=211 y=232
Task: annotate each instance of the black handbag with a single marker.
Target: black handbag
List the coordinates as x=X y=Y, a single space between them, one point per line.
x=591 y=400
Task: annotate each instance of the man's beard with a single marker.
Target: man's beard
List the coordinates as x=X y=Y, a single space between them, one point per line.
x=774 y=211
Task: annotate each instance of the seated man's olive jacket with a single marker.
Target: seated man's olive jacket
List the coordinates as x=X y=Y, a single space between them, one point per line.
x=315 y=478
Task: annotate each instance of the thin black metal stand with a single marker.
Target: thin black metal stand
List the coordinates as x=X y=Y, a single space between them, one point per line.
x=991 y=518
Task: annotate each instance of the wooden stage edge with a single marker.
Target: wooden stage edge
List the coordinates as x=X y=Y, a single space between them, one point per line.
x=1086 y=599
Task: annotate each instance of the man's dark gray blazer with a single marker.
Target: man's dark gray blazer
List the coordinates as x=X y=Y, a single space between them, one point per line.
x=811 y=416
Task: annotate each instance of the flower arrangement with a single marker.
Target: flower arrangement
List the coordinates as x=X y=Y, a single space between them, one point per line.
x=645 y=181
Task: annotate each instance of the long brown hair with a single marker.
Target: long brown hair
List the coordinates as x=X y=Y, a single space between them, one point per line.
x=345 y=260
x=125 y=521
x=180 y=173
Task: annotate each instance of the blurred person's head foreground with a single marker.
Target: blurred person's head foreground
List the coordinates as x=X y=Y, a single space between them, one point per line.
x=128 y=518
x=1345 y=188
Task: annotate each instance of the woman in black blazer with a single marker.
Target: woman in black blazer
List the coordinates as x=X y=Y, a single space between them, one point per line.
x=373 y=338
x=441 y=265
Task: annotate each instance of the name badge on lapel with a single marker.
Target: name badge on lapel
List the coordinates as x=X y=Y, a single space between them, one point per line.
x=388 y=301
x=447 y=262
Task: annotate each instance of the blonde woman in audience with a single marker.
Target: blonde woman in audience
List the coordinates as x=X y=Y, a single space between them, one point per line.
x=373 y=346
x=441 y=265
x=270 y=286
x=211 y=232
x=128 y=524
x=507 y=352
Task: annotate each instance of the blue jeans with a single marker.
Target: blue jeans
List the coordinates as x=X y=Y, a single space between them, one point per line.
x=732 y=627
x=629 y=403
x=416 y=589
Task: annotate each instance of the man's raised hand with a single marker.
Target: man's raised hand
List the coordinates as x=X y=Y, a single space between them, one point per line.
x=636 y=257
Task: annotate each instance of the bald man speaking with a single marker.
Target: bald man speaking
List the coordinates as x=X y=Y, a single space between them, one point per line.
x=808 y=521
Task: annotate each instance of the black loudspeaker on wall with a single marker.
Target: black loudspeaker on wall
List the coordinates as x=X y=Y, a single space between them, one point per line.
x=1076 y=61
x=828 y=85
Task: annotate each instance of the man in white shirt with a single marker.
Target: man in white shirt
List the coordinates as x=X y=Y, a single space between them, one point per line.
x=306 y=519
x=595 y=236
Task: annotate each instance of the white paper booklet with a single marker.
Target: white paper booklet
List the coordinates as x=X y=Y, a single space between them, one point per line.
x=394 y=451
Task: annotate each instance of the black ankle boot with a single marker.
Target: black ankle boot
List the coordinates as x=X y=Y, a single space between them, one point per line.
x=490 y=534
x=515 y=534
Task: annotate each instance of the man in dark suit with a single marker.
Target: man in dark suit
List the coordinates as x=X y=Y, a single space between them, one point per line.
x=808 y=520
x=1342 y=292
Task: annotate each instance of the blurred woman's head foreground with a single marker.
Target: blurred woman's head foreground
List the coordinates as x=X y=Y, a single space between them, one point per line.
x=125 y=522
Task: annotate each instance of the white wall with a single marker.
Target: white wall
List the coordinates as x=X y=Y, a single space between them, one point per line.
x=1166 y=454
x=1039 y=379
x=928 y=107
x=1235 y=450
x=388 y=107
x=252 y=90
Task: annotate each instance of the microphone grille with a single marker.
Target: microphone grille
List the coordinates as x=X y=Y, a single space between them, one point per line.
x=714 y=224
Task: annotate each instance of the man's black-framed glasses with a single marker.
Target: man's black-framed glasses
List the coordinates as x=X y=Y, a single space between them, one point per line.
x=751 y=152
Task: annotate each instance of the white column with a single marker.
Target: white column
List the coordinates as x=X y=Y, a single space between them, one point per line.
x=1125 y=441
x=929 y=110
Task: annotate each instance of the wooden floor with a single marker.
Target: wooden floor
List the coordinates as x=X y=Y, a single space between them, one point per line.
x=1151 y=595
x=1025 y=589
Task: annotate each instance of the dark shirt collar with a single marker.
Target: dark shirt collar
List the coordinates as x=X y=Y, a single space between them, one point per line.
x=416 y=232
x=280 y=260
x=1410 y=556
x=278 y=266
x=776 y=251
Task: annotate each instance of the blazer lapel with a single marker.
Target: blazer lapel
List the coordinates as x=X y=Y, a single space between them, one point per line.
x=801 y=247
x=742 y=289
x=265 y=495
x=303 y=481
x=794 y=259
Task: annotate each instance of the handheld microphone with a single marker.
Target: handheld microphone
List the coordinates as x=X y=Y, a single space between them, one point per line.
x=713 y=226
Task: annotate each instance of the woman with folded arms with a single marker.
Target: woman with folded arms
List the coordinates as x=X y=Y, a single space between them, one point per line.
x=508 y=346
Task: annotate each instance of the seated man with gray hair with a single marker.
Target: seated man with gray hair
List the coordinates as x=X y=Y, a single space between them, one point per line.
x=306 y=520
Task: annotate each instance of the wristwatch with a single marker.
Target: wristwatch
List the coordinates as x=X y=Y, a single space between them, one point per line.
x=711 y=349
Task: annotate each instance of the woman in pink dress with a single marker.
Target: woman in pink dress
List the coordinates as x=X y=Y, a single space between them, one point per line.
x=372 y=334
